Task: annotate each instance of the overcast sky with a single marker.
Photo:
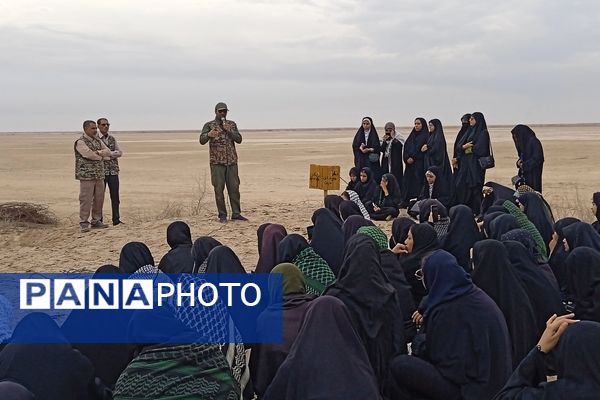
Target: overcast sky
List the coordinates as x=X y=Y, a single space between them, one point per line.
x=158 y=64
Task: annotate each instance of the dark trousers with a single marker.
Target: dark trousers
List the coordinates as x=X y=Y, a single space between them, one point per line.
x=113 y=187
x=221 y=176
x=414 y=378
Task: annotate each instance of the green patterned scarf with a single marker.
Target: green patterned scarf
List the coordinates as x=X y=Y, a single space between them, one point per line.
x=525 y=223
x=316 y=271
x=376 y=234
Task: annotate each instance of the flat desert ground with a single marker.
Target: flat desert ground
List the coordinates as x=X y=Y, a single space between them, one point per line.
x=165 y=177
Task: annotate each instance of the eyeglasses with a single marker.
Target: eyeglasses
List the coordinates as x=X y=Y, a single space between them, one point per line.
x=419 y=274
x=222 y=111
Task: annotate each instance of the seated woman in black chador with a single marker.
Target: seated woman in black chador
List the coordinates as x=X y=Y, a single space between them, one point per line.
x=436 y=187
x=386 y=202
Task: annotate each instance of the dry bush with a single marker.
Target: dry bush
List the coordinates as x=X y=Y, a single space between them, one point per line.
x=198 y=196
x=172 y=209
x=571 y=204
x=27 y=213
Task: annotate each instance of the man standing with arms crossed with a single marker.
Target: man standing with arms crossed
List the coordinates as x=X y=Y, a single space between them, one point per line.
x=221 y=135
x=89 y=170
x=111 y=168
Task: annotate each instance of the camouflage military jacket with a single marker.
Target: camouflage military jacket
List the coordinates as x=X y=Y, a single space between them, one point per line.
x=221 y=148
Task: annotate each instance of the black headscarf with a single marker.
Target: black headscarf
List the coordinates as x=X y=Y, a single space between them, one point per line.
x=332 y=203
x=49 y=371
x=425 y=241
x=134 y=255
x=222 y=260
x=327 y=238
x=303 y=374
x=362 y=160
x=259 y=234
x=470 y=174
x=349 y=208
x=13 y=391
x=531 y=153
x=441 y=190
x=415 y=172
x=179 y=258
x=400 y=228
x=201 y=248
x=493 y=273
x=352 y=224
x=290 y=247
x=559 y=254
x=353 y=171
x=467 y=338
x=394 y=193
x=462 y=234
x=583 y=267
x=581 y=234
x=366 y=191
x=596 y=200
x=437 y=152
x=464 y=127
x=488 y=218
x=501 y=225
x=544 y=298
x=371 y=299
x=537 y=212
x=425 y=209
x=267 y=256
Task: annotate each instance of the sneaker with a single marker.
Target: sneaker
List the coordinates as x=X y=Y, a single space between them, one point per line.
x=223 y=219
x=98 y=225
x=239 y=218
x=84 y=228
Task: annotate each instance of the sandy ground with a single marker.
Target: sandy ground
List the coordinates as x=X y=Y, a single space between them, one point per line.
x=165 y=177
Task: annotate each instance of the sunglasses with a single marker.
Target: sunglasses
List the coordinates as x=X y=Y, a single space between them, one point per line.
x=222 y=111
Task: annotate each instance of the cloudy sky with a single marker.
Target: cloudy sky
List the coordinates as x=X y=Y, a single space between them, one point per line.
x=163 y=64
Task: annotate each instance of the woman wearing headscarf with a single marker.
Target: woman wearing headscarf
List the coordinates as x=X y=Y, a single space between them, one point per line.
x=502 y=224
x=108 y=359
x=456 y=150
x=494 y=193
x=267 y=256
x=530 y=156
x=436 y=187
x=539 y=214
x=558 y=254
x=569 y=347
x=526 y=224
x=349 y=208
x=394 y=272
x=583 y=267
x=201 y=249
x=134 y=255
x=467 y=345
x=387 y=201
x=524 y=237
x=581 y=234
x=487 y=222
x=366 y=147
x=179 y=259
x=353 y=175
x=352 y=224
x=596 y=211
x=352 y=196
x=427 y=211
x=51 y=370
x=494 y=275
x=266 y=358
x=296 y=250
x=391 y=148
x=327 y=238
x=420 y=241
x=414 y=160
x=173 y=364
x=400 y=228
x=544 y=298
x=469 y=179
x=347 y=373
x=373 y=303
x=436 y=151
x=366 y=188
x=462 y=234
x=332 y=203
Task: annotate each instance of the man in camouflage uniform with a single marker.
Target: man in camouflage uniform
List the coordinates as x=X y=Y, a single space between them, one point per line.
x=89 y=170
x=111 y=168
x=221 y=135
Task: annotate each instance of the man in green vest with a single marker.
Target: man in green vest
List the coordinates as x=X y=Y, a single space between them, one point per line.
x=111 y=168
x=221 y=135
x=89 y=170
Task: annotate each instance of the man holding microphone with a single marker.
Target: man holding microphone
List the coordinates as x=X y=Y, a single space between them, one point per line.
x=221 y=135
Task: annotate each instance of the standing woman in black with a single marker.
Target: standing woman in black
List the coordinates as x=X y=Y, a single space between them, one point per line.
x=366 y=147
x=531 y=156
x=414 y=158
x=391 y=151
x=436 y=150
x=456 y=148
x=470 y=176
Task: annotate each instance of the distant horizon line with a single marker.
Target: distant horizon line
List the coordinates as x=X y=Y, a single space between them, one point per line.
x=588 y=124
